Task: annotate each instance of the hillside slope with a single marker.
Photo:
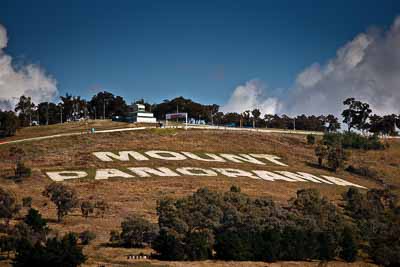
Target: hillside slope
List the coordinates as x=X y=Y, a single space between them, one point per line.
x=140 y=195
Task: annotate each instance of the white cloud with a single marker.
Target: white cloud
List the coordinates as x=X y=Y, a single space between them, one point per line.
x=367 y=68
x=29 y=80
x=251 y=96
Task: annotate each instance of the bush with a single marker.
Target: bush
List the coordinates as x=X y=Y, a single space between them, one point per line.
x=101 y=207
x=21 y=171
x=321 y=151
x=362 y=171
x=35 y=221
x=310 y=139
x=353 y=140
x=87 y=208
x=27 y=202
x=137 y=232
x=336 y=158
x=86 y=237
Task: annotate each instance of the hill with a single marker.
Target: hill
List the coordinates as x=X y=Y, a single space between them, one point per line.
x=139 y=195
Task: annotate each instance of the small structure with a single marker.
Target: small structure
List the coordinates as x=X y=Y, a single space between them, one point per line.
x=141 y=115
x=139 y=256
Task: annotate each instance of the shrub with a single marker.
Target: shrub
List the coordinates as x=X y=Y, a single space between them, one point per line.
x=21 y=171
x=336 y=157
x=310 y=139
x=353 y=140
x=321 y=152
x=101 y=207
x=35 y=221
x=86 y=237
x=115 y=237
x=87 y=208
x=362 y=171
x=27 y=202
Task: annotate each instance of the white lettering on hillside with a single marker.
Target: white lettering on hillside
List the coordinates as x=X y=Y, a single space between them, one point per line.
x=170 y=155
x=196 y=171
x=342 y=182
x=122 y=156
x=211 y=157
x=302 y=177
x=102 y=174
x=241 y=158
x=66 y=175
x=165 y=155
x=235 y=173
x=271 y=158
x=146 y=172
x=270 y=176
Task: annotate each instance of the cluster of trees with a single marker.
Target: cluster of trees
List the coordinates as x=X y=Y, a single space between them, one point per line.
x=332 y=148
x=233 y=226
x=70 y=108
x=32 y=241
x=8 y=123
x=357 y=115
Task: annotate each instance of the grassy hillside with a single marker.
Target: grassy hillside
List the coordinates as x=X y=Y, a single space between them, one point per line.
x=140 y=195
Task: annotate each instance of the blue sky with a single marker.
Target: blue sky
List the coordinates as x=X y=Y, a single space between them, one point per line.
x=198 y=49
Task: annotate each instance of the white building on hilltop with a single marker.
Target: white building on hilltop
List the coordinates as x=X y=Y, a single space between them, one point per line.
x=141 y=115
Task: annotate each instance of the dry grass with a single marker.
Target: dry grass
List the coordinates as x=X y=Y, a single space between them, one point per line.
x=140 y=195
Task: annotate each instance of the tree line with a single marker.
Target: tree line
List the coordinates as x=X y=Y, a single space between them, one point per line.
x=233 y=226
x=104 y=105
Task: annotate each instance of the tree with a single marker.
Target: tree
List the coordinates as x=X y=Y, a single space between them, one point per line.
x=256 y=116
x=356 y=114
x=333 y=123
x=49 y=113
x=63 y=252
x=35 y=221
x=349 y=245
x=321 y=151
x=336 y=157
x=20 y=170
x=63 y=197
x=108 y=105
x=8 y=123
x=137 y=232
x=199 y=245
x=8 y=205
x=87 y=208
x=25 y=109
x=7 y=244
